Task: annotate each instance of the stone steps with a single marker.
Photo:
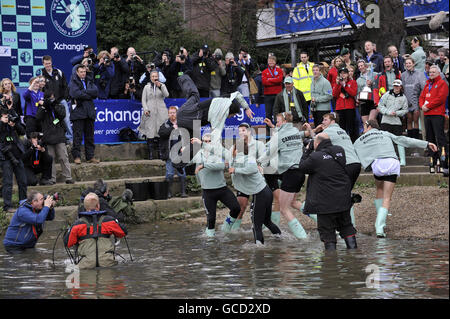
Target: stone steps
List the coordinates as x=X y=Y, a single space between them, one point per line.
x=147 y=211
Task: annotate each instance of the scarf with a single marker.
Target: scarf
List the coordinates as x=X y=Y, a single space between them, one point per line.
x=296 y=104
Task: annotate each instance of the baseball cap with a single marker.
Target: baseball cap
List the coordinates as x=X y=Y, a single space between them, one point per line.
x=345 y=51
x=288 y=79
x=397 y=83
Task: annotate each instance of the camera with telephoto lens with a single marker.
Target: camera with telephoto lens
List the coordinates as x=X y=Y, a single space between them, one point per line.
x=12 y=118
x=218 y=57
x=131 y=81
x=92 y=55
x=106 y=60
x=116 y=55
x=55 y=196
x=89 y=61
x=182 y=56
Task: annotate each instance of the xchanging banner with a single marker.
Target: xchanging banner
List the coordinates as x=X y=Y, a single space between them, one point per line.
x=293 y=16
x=113 y=115
x=34 y=28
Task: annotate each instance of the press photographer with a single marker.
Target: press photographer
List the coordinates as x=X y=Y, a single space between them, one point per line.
x=37 y=161
x=181 y=65
x=121 y=74
x=217 y=74
x=88 y=53
x=145 y=77
x=203 y=64
x=11 y=150
x=233 y=76
x=27 y=223
x=103 y=74
x=51 y=116
x=9 y=98
x=137 y=67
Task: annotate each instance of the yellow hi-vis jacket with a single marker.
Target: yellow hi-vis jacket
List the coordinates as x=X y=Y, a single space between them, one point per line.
x=303 y=79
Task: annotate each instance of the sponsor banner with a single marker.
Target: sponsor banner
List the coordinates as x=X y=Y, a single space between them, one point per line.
x=113 y=115
x=5 y=62
x=306 y=16
x=34 y=28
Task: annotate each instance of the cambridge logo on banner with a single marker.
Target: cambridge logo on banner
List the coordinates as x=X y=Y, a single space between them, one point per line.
x=71 y=17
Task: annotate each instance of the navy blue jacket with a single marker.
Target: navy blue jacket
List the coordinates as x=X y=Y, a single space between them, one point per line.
x=83 y=97
x=378 y=61
x=26 y=225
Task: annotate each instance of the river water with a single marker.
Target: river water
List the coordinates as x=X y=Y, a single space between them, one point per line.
x=176 y=260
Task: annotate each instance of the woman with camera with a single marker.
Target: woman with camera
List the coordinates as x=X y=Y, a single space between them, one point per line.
x=103 y=74
x=34 y=97
x=345 y=92
x=155 y=110
x=9 y=97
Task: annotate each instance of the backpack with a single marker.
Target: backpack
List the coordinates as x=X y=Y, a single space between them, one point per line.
x=126 y=134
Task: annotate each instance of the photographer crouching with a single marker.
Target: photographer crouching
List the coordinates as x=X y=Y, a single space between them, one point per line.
x=27 y=224
x=11 y=150
x=36 y=160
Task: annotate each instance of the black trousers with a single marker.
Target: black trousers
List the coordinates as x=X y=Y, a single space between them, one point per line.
x=32 y=125
x=44 y=168
x=434 y=128
x=347 y=123
x=212 y=196
x=261 y=211
x=327 y=224
x=83 y=129
x=8 y=171
x=353 y=170
x=269 y=101
x=318 y=117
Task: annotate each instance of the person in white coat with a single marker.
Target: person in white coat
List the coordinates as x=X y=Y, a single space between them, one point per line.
x=154 y=111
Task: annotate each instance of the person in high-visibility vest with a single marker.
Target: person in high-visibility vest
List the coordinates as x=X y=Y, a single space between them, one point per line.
x=303 y=75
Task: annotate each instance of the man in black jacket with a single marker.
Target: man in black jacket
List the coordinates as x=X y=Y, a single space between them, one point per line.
x=56 y=83
x=37 y=160
x=11 y=150
x=168 y=138
x=83 y=91
x=121 y=74
x=51 y=115
x=203 y=64
x=328 y=191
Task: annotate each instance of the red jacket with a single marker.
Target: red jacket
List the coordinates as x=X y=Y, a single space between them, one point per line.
x=79 y=230
x=272 y=81
x=382 y=83
x=332 y=76
x=342 y=102
x=436 y=93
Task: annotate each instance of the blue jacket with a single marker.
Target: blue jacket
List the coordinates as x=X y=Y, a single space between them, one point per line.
x=26 y=225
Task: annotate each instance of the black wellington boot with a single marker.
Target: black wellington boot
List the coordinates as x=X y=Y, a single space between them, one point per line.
x=351 y=242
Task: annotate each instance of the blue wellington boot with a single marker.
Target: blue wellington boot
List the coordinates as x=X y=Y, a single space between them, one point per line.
x=227 y=224
x=380 y=222
x=236 y=225
x=210 y=232
x=275 y=218
x=402 y=155
x=297 y=229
